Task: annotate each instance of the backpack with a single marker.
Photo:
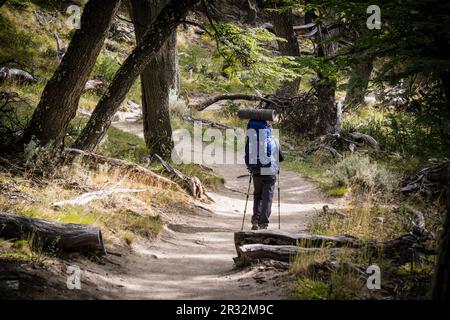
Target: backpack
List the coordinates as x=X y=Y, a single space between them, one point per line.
x=254 y=129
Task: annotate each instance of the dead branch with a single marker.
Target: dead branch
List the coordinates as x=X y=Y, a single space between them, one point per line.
x=231 y=96
x=94 y=85
x=365 y=138
x=327 y=211
x=428 y=181
x=192 y=184
x=60 y=50
x=419 y=217
x=16 y=75
x=133 y=170
x=337 y=143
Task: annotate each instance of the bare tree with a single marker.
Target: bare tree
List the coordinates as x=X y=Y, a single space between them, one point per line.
x=157 y=34
x=61 y=95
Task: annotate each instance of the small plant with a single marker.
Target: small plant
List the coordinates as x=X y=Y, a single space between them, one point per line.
x=308 y=289
x=177 y=106
x=364 y=176
x=230 y=109
x=40 y=157
x=105 y=68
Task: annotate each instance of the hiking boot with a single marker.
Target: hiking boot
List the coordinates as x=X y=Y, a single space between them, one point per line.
x=255 y=227
x=263 y=226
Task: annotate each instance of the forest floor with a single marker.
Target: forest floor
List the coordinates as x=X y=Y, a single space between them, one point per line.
x=193 y=258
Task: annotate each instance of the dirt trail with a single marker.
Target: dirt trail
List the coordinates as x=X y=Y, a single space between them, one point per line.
x=193 y=258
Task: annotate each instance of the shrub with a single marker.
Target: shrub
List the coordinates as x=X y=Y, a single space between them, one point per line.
x=105 y=68
x=230 y=109
x=363 y=176
x=177 y=106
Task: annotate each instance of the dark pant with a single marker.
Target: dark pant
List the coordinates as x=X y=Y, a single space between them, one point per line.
x=262 y=198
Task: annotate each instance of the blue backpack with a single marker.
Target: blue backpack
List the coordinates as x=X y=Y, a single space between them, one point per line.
x=254 y=129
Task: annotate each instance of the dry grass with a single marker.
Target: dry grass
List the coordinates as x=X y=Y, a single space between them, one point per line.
x=123 y=217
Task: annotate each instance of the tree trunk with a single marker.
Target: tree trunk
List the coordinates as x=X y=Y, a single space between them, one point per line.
x=134 y=65
x=326 y=87
x=283 y=23
x=328 y=111
x=61 y=95
x=441 y=290
x=263 y=244
x=252 y=12
x=357 y=85
x=158 y=78
x=50 y=235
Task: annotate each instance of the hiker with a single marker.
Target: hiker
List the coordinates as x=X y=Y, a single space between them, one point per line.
x=262 y=157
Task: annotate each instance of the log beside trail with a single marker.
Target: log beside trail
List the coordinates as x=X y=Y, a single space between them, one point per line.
x=51 y=235
x=252 y=246
x=249 y=253
x=279 y=237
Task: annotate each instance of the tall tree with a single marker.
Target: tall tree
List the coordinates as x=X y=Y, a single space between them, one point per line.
x=157 y=34
x=159 y=77
x=61 y=95
x=441 y=290
x=358 y=82
x=325 y=86
x=283 y=23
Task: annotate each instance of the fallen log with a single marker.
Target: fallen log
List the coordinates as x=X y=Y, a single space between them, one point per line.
x=279 y=237
x=229 y=96
x=133 y=170
x=429 y=181
x=16 y=75
x=250 y=253
x=400 y=250
x=69 y=237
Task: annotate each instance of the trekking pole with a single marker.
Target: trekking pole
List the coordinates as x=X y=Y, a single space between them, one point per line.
x=279 y=215
x=246 y=201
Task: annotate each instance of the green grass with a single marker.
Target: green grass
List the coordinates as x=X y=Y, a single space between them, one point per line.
x=337 y=191
x=123 y=145
x=146 y=226
x=308 y=289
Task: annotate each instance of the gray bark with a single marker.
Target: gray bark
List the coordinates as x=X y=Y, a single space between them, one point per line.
x=59 y=101
x=51 y=235
x=158 y=78
x=358 y=83
x=155 y=37
x=283 y=23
